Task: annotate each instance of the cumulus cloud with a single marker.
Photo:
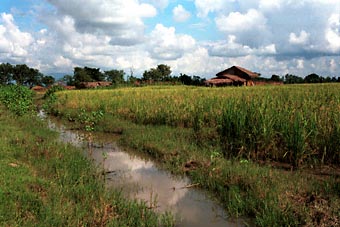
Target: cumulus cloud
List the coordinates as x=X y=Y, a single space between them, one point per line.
x=233 y=49
x=13 y=42
x=268 y=36
x=204 y=7
x=122 y=20
x=167 y=45
x=267 y=5
x=237 y=22
x=249 y=28
x=301 y=39
x=333 y=32
x=180 y=14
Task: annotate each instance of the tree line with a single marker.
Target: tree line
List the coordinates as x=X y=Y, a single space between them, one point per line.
x=21 y=74
x=160 y=74
x=294 y=79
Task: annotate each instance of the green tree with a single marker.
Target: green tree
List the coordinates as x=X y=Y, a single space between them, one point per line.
x=69 y=80
x=275 y=78
x=161 y=73
x=114 y=75
x=6 y=71
x=185 y=79
x=292 y=79
x=47 y=80
x=165 y=72
x=19 y=73
x=87 y=74
x=95 y=74
x=313 y=78
x=33 y=77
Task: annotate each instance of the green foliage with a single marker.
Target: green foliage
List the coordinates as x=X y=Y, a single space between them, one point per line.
x=47 y=80
x=69 y=80
x=23 y=75
x=313 y=78
x=89 y=120
x=53 y=90
x=6 y=73
x=188 y=80
x=293 y=79
x=161 y=73
x=46 y=183
x=276 y=78
x=291 y=124
x=87 y=74
x=225 y=132
x=115 y=76
x=17 y=99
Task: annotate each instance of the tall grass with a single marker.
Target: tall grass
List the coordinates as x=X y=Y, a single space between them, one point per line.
x=47 y=183
x=292 y=124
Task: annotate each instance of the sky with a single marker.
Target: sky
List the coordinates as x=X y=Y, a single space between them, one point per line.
x=195 y=37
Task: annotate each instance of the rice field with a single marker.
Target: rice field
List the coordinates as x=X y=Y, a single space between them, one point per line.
x=295 y=124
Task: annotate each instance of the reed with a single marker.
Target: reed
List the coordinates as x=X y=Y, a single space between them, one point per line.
x=291 y=124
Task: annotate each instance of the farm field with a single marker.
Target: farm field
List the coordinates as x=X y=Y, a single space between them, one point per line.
x=268 y=152
x=47 y=183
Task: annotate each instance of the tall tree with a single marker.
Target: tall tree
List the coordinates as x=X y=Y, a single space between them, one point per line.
x=161 y=73
x=69 y=80
x=80 y=75
x=276 y=78
x=87 y=74
x=95 y=74
x=292 y=79
x=165 y=72
x=114 y=75
x=47 y=80
x=20 y=73
x=6 y=71
x=33 y=77
x=313 y=78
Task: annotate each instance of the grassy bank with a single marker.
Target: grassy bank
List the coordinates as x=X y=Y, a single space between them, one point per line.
x=47 y=183
x=265 y=152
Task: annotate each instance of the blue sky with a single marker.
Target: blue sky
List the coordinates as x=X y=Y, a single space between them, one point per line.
x=196 y=37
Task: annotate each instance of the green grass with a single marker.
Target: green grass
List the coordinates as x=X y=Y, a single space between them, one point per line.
x=226 y=140
x=295 y=124
x=47 y=183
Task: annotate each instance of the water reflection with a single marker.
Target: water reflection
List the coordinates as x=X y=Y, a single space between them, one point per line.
x=139 y=178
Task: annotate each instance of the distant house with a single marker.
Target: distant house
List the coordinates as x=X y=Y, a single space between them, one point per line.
x=38 y=89
x=236 y=76
x=94 y=84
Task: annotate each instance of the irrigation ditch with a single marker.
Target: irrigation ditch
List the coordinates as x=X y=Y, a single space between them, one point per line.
x=138 y=177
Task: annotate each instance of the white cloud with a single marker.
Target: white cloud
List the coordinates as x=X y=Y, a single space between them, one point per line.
x=228 y=49
x=299 y=40
x=61 y=61
x=166 y=44
x=180 y=14
x=233 y=49
x=300 y=64
x=333 y=32
x=333 y=65
x=13 y=42
x=162 y=4
x=122 y=20
x=204 y=7
x=267 y=5
x=236 y=22
x=268 y=36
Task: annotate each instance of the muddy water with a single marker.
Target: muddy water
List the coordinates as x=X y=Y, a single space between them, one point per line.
x=139 y=178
